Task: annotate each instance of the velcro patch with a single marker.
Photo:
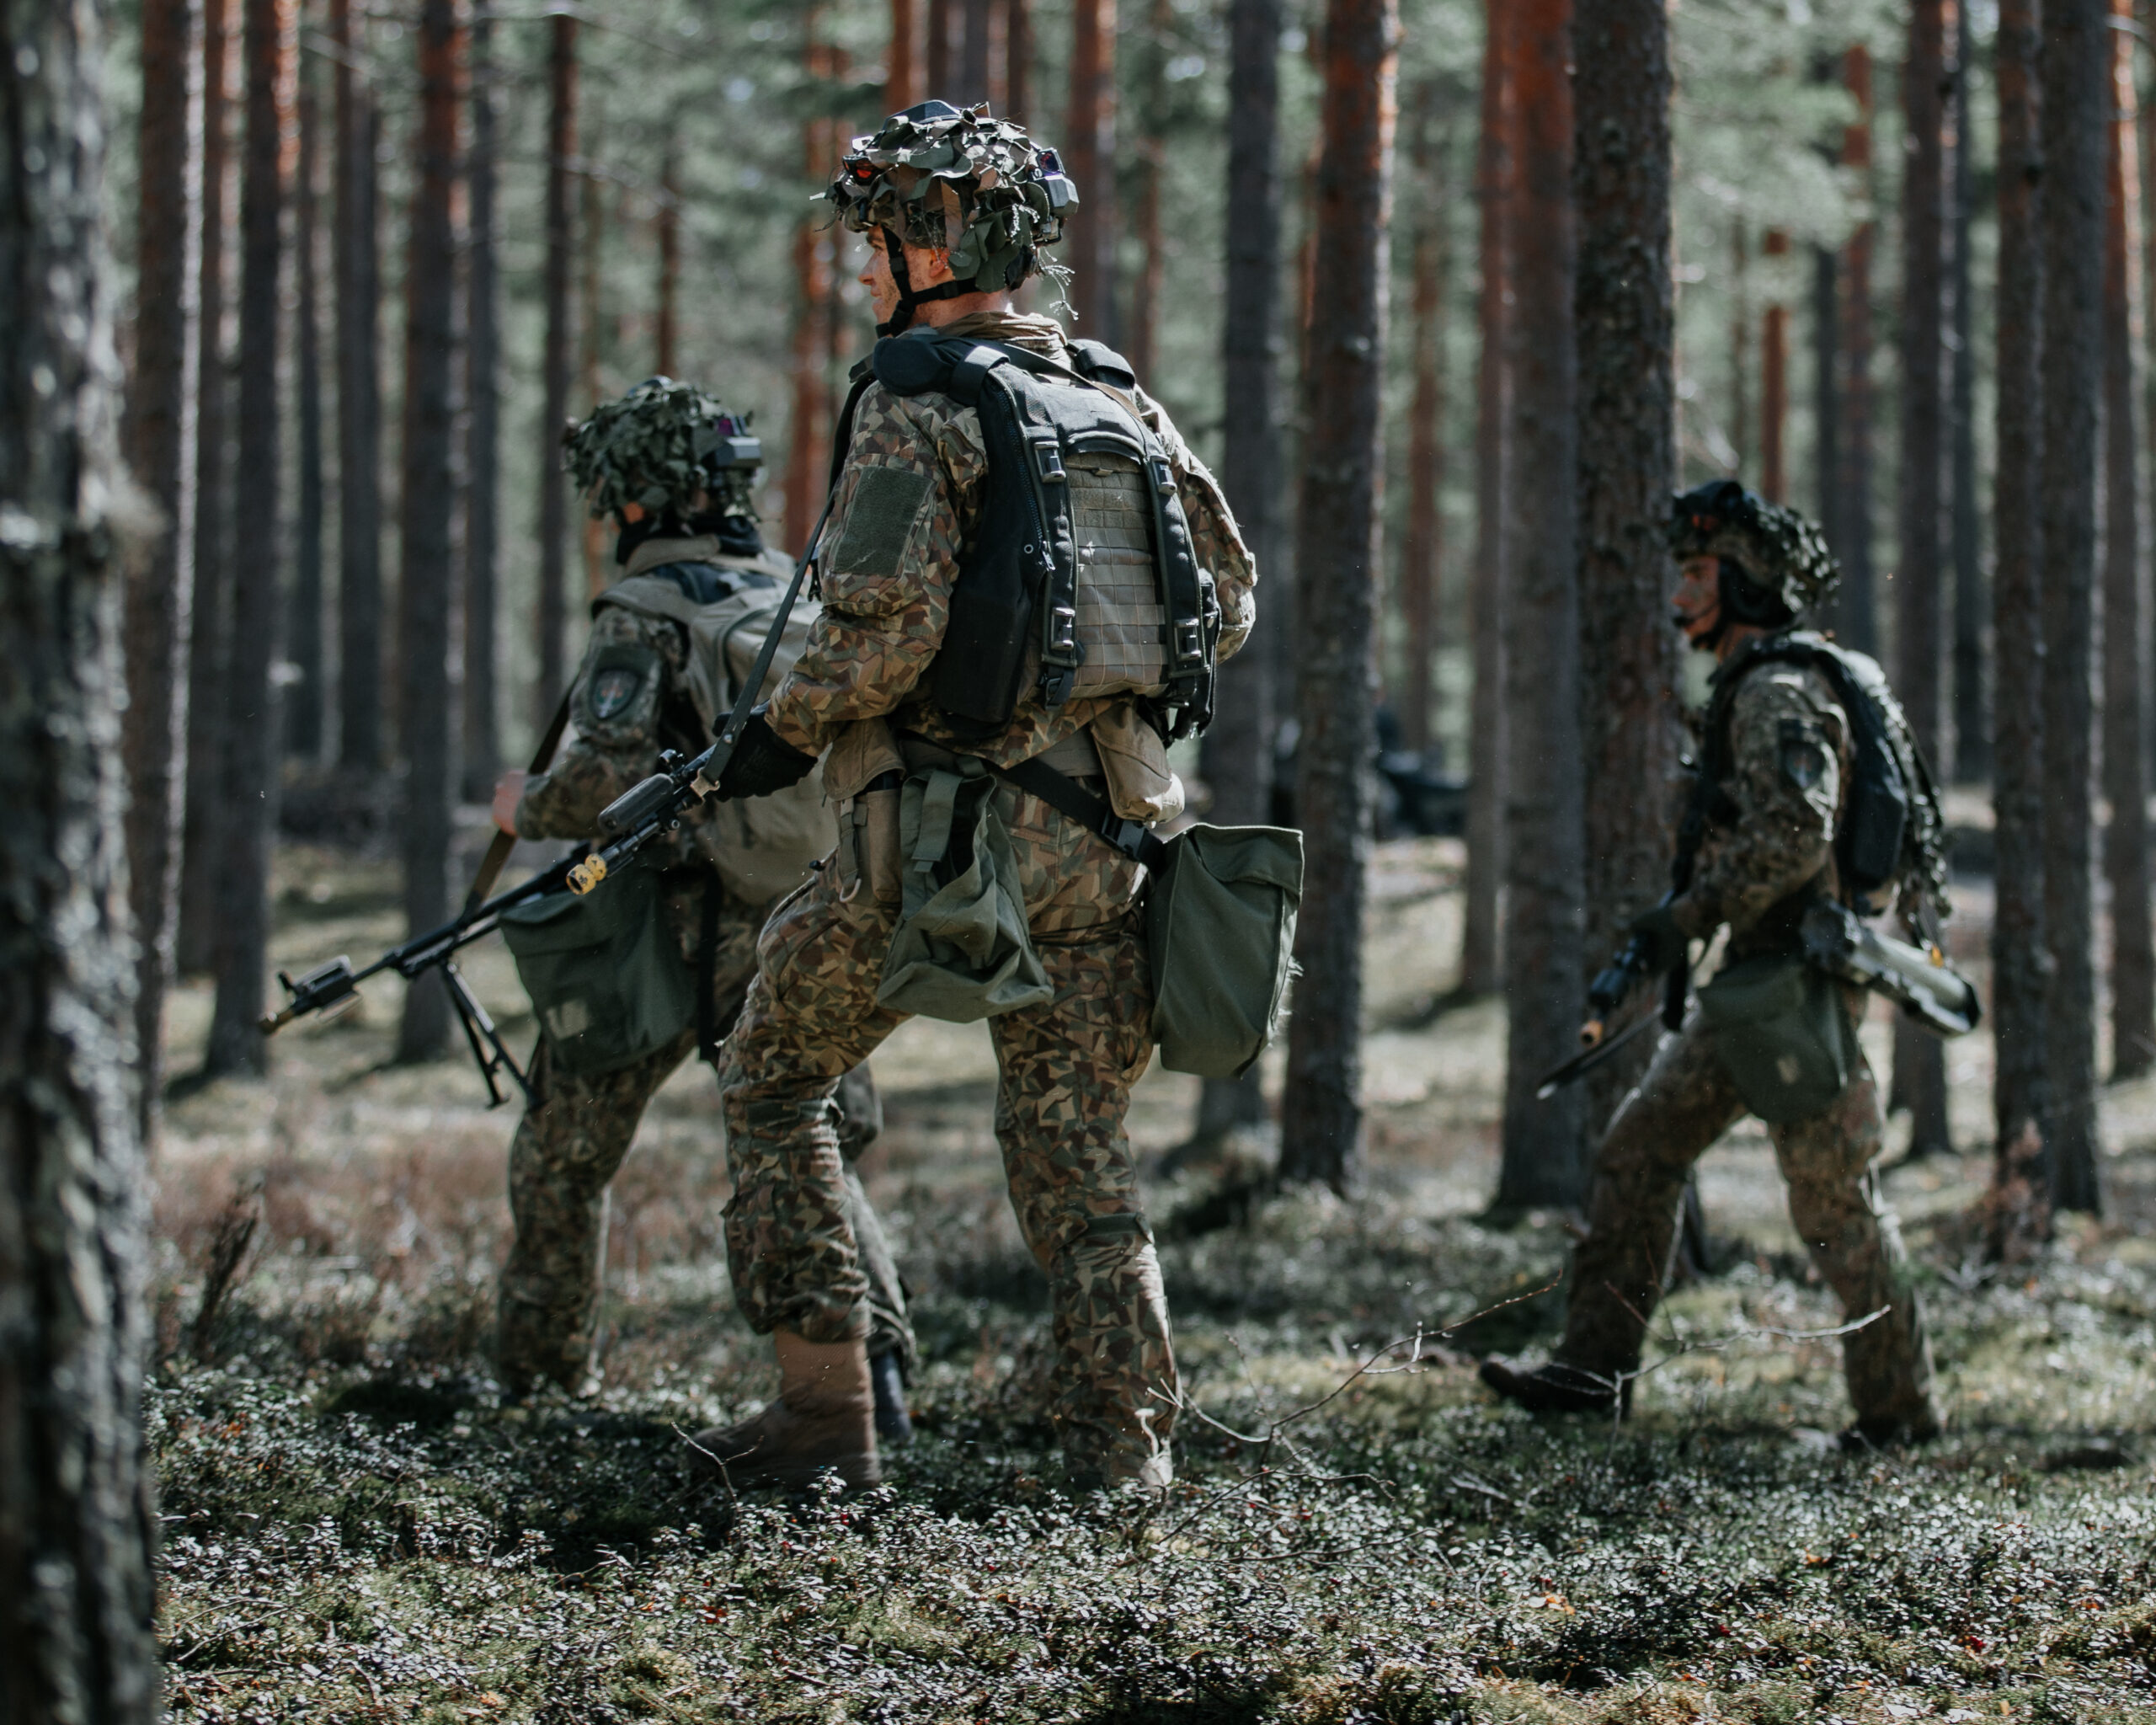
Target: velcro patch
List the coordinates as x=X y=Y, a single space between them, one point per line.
x=1803 y=755
x=878 y=523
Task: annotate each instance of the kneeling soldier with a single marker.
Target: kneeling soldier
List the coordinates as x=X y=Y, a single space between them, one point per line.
x=674 y=472
x=1027 y=572
x=1803 y=755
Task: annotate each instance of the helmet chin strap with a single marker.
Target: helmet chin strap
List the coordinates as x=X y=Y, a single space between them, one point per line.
x=901 y=318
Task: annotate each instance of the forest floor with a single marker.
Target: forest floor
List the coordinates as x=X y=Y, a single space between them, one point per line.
x=356 y=1528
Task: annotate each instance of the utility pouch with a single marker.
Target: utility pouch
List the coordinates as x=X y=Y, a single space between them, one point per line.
x=962 y=950
x=606 y=974
x=1220 y=933
x=1782 y=1034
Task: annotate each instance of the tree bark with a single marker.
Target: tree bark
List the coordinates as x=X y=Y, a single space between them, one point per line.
x=669 y=238
x=1631 y=735
x=1018 y=58
x=1774 y=382
x=809 y=443
x=482 y=465
x=1544 y=860
x=1088 y=154
x=209 y=598
x=1481 y=962
x=1336 y=555
x=1238 y=757
x=1827 y=393
x=591 y=245
x=160 y=434
x=1740 y=346
x=553 y=491
x=1972 y=722
x=427 y=559
x=2126 y=838
x=901 y=64
x=1421 y=555
x=939 y=49
x=303 y=712
x=973 y=81
x=357 y=264
x=1856 y=608
x=251 y=696
x=1919 y=1074
x=2076 y=100
x=1142 y=336
x=2020 y=1090
x=77 y=1512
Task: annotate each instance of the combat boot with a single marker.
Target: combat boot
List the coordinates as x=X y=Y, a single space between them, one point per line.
x=825 y=1418
x=894 y=1421
x=1555 y=1387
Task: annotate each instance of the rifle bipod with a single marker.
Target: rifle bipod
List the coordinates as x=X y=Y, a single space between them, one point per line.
x=479 y=1030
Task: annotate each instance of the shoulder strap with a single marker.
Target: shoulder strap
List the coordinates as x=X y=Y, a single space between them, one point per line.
x=1067 y=797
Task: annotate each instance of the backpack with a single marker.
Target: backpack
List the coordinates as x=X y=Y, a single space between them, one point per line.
x=760 y=847
x=1893 y=829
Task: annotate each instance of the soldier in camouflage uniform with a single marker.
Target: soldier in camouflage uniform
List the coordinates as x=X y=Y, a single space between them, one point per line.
x=1768 y=851
x=955 y=208
x=686 y=510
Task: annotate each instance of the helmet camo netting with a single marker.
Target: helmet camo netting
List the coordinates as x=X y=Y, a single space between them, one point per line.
x=1776 y=547
x=659 y=446
x=959 y=179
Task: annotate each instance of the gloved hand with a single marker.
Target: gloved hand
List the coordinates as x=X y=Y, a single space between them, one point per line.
x=760 y=763
x=1657 y=931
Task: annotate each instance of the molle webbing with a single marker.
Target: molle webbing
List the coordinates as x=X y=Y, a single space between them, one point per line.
x=1121 y=620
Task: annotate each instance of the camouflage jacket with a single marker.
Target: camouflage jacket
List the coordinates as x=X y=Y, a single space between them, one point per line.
x=1772 y=829
x=884 y=616
x=631 y=700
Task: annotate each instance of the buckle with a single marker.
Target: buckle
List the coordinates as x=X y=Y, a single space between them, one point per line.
x=1062 y=629
x=1164 y=477
x=1055 y=686
x=1127 y=836
x=1190 y=638
x=1047 y=461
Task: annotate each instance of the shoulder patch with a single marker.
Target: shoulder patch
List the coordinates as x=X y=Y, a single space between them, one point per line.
x=1802 y=753
x=621 y=674
x=878 y=521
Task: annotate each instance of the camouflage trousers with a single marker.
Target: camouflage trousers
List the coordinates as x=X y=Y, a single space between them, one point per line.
x=1066 y=1068
x=1686 y=1101
x=572 y=1140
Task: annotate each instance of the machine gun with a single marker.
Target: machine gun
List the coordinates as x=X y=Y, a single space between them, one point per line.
x=332 y=990
x=1613 y=985
x=1917 y=979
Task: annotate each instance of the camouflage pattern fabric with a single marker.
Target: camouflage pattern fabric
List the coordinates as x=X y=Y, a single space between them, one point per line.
x=569 y=1144
x=1685 y=1102
x=1789 y=754
x=886 y=607
x=1066 y=1068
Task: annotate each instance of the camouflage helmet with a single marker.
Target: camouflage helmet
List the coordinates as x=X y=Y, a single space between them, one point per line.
x=1781 y=555
x=940 y=176
x=658 y=447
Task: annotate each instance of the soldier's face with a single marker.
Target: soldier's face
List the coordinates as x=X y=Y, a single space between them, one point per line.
x=925 y=266
x=1696 y=605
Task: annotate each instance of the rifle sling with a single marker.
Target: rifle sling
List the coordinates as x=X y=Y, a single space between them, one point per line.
x=497 y=858
x=1066 y=796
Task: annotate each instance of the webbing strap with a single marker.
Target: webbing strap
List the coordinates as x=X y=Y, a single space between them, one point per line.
x=939 y=804
x=1067 y=797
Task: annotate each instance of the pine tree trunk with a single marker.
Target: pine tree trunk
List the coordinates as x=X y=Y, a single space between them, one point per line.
x=668 y=238
x=427 y=559
x=1740 y=347
x=973 y=84
x=1238 y=758
x=2077 y=96
x=1920 y=1077
x=2020 y=1092
x=209 y=598
x=1480 y=963
x=1856 y=608
x=1421 y=555
x=1142 y=336
x=1631 y=734
x=482 y=464
x=1545 y=860
x=303 y=712
x=553 y=490
x=939 y=49
x=1337 y=558
x=1018 y=58
x=1088 y=154
x=77 y=1511
x=901 y=64
x=591 y=243
x=251 y=696
x=358 y=267
x=1773 y=381
x=160 y=434
x=1971 y=723
x=809 y=442
x=1827 y=393
x=2125 y=838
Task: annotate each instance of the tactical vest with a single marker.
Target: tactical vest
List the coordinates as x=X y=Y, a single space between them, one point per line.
x=1080 y=577
x=1892 y=826
x=759 y=845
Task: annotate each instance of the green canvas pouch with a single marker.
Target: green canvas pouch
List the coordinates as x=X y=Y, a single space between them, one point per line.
x=1220 y=934
x=962 y=951
x=604 y=973
x=1782 y=1034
